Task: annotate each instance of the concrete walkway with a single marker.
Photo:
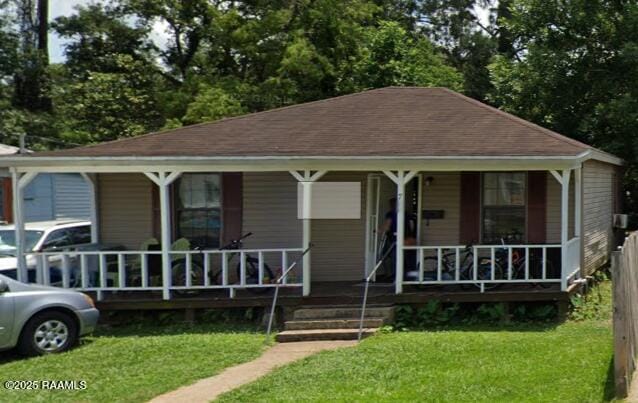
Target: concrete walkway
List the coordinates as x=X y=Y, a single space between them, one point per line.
x=208 y=389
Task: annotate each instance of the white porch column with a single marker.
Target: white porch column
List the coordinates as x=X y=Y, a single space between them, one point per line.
x=400 y=179
x=578 y=214
x=306 y=179
x=19 y=182
x=564 y=228
x=91 y=181
x=578 y=200
x=163 y=180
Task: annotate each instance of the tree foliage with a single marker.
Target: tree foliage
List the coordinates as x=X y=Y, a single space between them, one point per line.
x=568 y=65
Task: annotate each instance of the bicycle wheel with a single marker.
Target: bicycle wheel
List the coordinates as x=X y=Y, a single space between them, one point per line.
x=252 y=275
x=179 y=273
x=484 y=272
x=430 y=270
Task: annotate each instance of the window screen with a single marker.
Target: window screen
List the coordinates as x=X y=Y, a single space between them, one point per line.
x=198 y=209
x=504 y=207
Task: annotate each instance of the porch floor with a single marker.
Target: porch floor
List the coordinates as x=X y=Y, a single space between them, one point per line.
x=329 y=293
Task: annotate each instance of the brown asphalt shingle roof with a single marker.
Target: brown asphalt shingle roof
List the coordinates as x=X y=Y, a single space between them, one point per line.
x=390 y=122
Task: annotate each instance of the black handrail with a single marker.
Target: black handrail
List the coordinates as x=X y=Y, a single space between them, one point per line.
x=365 y=292
x=278 y=283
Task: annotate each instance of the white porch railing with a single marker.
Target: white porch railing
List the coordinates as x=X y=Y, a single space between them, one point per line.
x=108 y=271
x=483 y=265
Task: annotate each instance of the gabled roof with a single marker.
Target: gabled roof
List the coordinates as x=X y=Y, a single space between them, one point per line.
x=387 y=122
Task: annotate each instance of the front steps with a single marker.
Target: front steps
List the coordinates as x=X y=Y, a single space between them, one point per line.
x=333 y=323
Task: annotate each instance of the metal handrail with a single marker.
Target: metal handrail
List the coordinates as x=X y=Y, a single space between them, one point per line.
x=277 y=284
x=365 y=292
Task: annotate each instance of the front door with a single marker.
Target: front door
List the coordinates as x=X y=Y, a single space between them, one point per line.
x=380 y=189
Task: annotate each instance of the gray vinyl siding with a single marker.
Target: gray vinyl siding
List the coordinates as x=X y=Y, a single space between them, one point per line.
x=270 y=212
x=125 y=209
x=444 y=194
x=339 y=252
x=553 y=210
x=72 y=197
x=598 y=202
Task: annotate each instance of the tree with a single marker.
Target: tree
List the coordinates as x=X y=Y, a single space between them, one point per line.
x=111 y=105
x=30 y=80
x=391 y=56
x=212 y=104
x=97 y=32
x=576 y=72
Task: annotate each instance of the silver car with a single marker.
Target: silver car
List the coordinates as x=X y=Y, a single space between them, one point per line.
x=42 y=320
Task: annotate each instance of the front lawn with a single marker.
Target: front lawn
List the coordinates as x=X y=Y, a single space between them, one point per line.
x=571 y=362
x=133 y=363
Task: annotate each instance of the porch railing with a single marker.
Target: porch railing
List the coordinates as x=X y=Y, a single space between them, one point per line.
x=483 y=264
x=109 y=271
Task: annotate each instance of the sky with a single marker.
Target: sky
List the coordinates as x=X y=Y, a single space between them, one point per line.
x=66 y=7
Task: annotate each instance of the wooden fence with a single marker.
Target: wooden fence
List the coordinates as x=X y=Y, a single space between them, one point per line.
x=624 y=271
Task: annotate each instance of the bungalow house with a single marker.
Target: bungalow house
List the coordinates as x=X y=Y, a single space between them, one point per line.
x=485 y=201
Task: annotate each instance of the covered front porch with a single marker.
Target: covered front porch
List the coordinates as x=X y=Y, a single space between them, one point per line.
x=445 y=242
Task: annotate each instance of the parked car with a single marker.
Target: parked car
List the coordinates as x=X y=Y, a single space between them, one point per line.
x=42 y=236
x=43 y=320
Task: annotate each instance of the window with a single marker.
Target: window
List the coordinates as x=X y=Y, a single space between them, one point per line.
x=80 y=235
x=198 y=209
x=57 y=239
x=504 y=207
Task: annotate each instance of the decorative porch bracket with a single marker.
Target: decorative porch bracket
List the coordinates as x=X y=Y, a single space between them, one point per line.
x=19 y=182
x=401 y=178
x=163 y=180
x=306 y=178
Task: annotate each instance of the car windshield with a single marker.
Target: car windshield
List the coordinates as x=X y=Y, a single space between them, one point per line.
x=8 y=241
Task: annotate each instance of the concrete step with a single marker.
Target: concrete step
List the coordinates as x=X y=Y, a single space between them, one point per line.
x=349 y=312
x=322 y=334
x=311 y=324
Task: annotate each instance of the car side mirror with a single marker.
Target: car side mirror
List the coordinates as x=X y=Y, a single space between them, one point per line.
x=4 y=286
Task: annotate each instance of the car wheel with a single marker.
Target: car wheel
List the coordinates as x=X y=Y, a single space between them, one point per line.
x=48 y=333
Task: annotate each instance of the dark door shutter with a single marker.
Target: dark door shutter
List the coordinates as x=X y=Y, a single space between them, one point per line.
x=536 y=206
x=470 y=207
x=232 y=200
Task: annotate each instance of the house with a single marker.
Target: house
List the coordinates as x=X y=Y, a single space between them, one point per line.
x=535 y=206
x=51 y=196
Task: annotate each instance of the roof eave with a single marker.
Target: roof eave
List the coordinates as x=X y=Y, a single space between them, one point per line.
x=284 y=163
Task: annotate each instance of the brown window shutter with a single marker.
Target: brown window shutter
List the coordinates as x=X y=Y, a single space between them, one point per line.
x=470 y=207
x=536 y=207
x=156 y=214
x=7 y=200
x=232 y=200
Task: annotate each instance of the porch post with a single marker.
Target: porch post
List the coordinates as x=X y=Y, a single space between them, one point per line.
x=401 y=179
x=398 y=283
x=163 y=180
x=564 y=229
x=91 y=181
x=578 y=212
x=19 y=182
x=306 y=179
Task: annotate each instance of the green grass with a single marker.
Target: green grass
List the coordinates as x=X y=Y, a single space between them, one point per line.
x=570 y=362
x=133 y=363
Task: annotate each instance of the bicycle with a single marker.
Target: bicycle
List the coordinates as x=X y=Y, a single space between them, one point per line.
x=251 y=267
x=466 y=268
x=519 y=262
